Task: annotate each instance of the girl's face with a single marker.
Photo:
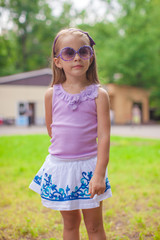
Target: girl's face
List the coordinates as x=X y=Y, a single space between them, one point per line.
x=77 y=67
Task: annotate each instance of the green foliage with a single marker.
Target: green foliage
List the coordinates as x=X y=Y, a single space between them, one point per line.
x=132 y=212
x=139 y=44
x=7 y=54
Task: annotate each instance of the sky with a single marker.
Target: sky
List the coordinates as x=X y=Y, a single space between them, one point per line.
x=89 y=5
x=96 y=9
x=80 y=4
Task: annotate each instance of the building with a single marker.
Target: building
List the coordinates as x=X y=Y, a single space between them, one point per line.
x=129 y=104
x=22 y=99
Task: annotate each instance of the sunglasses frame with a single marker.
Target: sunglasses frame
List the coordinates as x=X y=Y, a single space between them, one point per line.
x=75 y=52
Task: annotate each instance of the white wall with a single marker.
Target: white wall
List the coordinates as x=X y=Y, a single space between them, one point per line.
x=11 y=95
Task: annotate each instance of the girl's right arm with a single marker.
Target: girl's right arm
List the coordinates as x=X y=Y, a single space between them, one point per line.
x=48 y=109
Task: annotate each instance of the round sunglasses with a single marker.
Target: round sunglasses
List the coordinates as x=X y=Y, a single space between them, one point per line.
x=67 y=54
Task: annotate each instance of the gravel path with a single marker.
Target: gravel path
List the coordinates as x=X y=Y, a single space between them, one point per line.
x=144 y=131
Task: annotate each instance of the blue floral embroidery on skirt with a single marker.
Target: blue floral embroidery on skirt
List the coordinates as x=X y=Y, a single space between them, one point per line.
x=38 y=179
x=50 y=192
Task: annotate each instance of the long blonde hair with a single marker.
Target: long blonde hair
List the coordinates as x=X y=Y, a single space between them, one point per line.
x=59 y=74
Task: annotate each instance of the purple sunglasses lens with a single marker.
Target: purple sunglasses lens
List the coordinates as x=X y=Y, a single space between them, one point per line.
x=68 y=53
x=85 y=52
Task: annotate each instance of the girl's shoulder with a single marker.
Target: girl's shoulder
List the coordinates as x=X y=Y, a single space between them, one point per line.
x=103 y=95
x=102 y=92
x=49 y=93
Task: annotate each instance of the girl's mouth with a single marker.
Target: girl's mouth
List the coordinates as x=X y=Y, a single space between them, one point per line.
x=78 y=66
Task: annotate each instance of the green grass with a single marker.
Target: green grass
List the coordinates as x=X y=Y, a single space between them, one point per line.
x=132 y=213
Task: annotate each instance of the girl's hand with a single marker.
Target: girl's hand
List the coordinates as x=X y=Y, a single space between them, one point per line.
x=97 y=185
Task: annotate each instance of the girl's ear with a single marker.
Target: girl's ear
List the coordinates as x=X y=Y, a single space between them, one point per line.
x=57 y=62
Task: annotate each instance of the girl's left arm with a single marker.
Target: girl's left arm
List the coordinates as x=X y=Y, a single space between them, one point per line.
x=97 y=183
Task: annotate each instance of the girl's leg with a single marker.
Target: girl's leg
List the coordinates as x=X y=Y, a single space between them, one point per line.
x=71 y=220
x=94 y=223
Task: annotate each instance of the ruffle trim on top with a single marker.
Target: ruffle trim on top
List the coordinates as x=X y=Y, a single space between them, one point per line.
x=73 y=100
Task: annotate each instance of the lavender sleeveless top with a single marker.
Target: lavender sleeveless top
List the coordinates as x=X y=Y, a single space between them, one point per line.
x=74 y=123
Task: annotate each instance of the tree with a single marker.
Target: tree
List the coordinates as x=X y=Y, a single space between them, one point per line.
x=133 y=54
x=139 y=44
x=7 y=55
x=32 y=35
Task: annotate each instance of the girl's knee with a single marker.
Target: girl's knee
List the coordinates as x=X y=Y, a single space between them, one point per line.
x=71 y=225
x=93 y=228
x=94 y=223
x=96 y=230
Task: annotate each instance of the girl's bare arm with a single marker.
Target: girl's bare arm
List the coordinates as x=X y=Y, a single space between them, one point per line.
x=48 y=109
x=97 y=183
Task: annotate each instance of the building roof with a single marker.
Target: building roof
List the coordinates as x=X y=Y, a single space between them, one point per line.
x=40 y=77
x=43 y=77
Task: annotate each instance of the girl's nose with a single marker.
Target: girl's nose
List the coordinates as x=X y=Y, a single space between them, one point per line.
x=77 y=57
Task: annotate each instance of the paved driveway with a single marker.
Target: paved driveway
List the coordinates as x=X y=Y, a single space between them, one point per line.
x=145 y=131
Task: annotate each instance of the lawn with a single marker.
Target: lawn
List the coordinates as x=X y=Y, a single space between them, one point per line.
x=132 y=213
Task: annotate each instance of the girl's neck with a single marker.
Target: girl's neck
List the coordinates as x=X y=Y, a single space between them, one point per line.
x=75 y=85
x=77 y=82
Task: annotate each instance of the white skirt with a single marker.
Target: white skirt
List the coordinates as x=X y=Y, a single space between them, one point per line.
x=64 y=183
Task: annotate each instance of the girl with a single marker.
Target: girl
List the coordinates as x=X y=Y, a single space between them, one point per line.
x=74 y=174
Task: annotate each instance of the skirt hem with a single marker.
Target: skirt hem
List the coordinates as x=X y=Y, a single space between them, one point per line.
x=87 y=204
